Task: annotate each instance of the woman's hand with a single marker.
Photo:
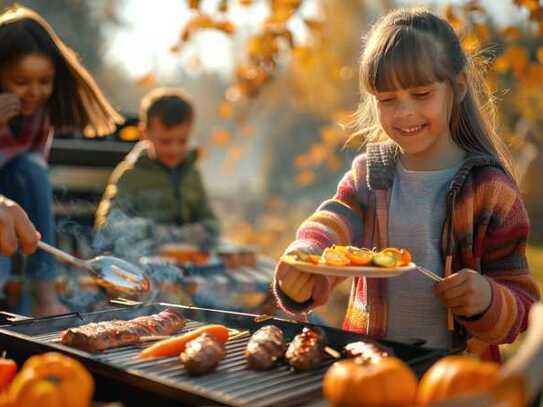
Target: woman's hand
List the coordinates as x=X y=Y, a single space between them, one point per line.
x=10 y=106
x=301 y=286
x=466 y=293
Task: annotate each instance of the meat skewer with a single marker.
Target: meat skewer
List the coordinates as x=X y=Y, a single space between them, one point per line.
x=306 y=351
x=202 y=354
x=103 y=335
x=265 y=347
x=364 y=352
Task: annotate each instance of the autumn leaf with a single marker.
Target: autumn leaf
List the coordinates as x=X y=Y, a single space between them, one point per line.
x=247 y=131
x=511 y=33
x=226 y=110
x=147 y=80
x=502 y=64
x=518 y=58
x=305 y=178
x=221 y=137
x=301 y=161
x=129 y=133
x=203 y=21
x=194 y=4
x=317 y=154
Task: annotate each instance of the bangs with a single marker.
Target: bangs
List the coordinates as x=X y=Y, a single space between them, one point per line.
x=403 y=59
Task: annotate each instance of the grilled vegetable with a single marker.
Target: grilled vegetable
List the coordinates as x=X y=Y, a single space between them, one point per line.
x=202 y=354
x=265 y=347
x=174 y=346
x=306 y=351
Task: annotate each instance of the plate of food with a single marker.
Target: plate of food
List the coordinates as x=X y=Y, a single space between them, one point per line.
x=351 y=261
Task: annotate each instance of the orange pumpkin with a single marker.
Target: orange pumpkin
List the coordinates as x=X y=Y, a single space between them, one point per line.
x=52 y=380
x=8 y=368
x=386 y=383
x=454 y=376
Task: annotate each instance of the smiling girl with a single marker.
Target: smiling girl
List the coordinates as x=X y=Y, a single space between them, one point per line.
x=435 y=179
x=43 y=87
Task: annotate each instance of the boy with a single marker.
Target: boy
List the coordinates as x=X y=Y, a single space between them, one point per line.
x=156 y=195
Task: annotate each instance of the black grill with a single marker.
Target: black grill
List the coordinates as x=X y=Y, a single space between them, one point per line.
x=121 y=376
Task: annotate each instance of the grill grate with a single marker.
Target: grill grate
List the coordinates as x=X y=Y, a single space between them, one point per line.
x=232 y=383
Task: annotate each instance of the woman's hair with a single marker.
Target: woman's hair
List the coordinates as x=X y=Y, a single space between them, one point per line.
x=414 y=47
x=77 y=102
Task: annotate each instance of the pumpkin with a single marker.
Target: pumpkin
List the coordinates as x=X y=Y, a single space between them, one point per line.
x=454 y=376
x=8 y=368
x=389 y=382
x=52 y=380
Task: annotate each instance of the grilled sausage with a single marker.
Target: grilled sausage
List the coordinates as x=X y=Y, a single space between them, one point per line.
x=265 y=347
x=95 y=337
x=306 y=351
x=364 y=352
x=202 y=354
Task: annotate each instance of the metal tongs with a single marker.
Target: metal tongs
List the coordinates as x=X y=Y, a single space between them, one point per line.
x=109 y=272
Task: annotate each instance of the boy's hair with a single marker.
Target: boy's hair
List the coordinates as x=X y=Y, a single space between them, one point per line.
x=77 y=102
x=414 y=47
x=171 y=106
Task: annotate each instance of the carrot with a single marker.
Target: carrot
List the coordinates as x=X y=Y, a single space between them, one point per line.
x=176 y=345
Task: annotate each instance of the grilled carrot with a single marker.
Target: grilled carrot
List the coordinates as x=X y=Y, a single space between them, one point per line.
x=176 y=345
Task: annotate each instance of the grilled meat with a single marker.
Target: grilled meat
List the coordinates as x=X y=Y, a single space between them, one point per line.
x=265 y=347
x=103 y=335
x=364 y=352
x=202 y=354
x=306 y=351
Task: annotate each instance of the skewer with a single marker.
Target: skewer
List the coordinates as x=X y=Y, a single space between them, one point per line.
x=332 y=352
x=262 y=318
x=239 y=335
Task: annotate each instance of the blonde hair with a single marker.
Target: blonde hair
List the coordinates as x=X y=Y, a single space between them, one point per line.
x=77 y=103
x=414 y=47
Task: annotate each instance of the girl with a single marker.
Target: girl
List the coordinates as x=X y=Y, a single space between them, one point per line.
x=42 y=87
x=441 y=186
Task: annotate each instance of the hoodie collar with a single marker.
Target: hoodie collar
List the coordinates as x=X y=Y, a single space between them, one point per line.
x=381 y=164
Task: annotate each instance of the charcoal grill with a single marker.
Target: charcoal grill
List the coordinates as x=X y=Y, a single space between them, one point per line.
x=163 y=382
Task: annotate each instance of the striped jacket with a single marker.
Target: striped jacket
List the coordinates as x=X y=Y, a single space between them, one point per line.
x=486 y=229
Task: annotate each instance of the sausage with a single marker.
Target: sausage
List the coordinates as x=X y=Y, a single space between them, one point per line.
x=364 y=352
x=103 y=335
x=265 y=347
x=202 y=354
x=306 y=351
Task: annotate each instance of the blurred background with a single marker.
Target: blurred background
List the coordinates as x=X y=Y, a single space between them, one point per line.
x=274 y=83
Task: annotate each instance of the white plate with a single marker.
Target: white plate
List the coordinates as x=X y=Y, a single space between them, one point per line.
x=350 y=271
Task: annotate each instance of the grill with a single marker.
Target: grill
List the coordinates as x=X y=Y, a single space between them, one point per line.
x=121 y=377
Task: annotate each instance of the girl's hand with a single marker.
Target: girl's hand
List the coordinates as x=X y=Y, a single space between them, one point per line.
x=466 y=293
x=301 y=286
x=10 y=106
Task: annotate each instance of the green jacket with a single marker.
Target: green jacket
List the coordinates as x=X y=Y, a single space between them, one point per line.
x=141 y=187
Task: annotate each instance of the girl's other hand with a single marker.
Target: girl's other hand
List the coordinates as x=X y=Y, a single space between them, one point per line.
x=467 y=293
x=301 y=286
x=10 y=106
